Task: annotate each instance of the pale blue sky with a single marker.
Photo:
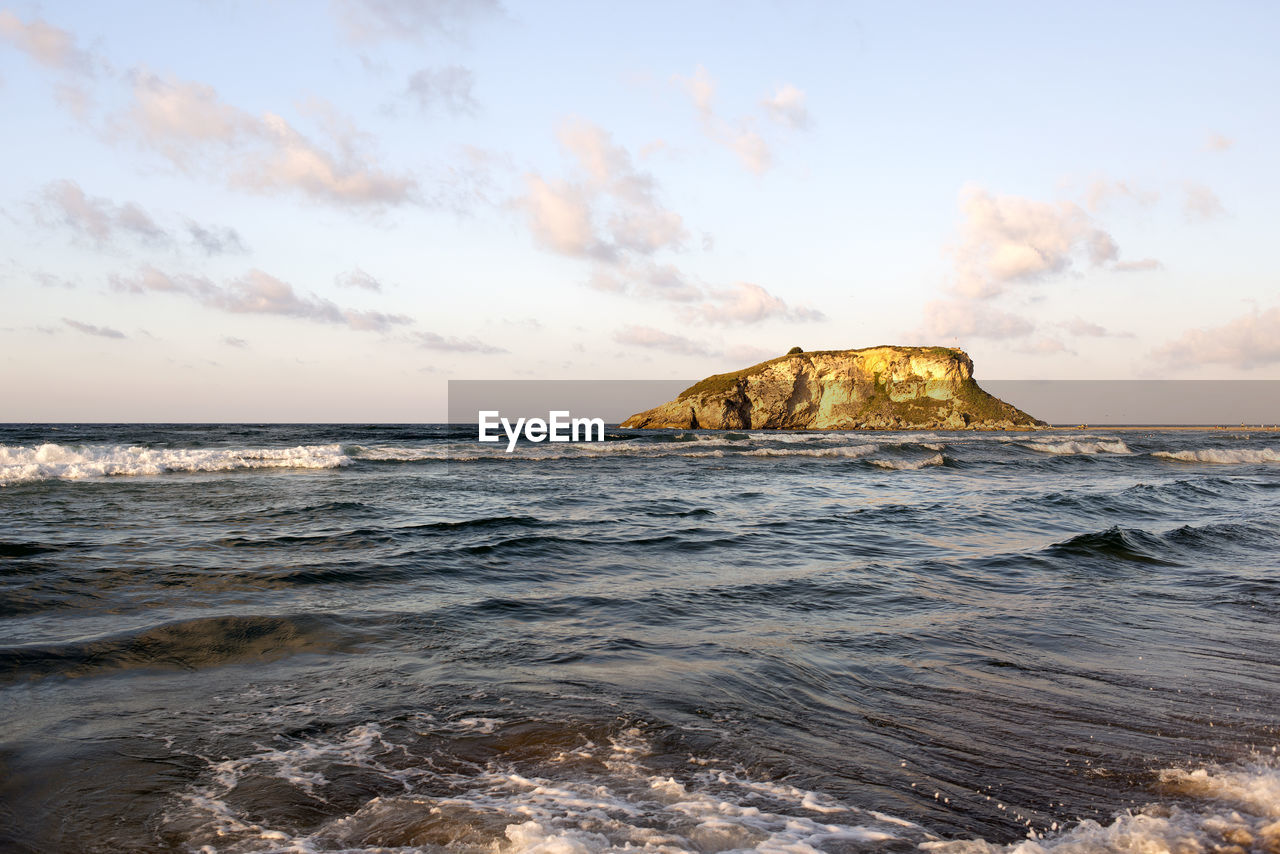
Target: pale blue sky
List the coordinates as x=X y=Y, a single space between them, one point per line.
x=194 y=192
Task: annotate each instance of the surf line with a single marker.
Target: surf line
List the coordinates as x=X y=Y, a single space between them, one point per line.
x=559 y=426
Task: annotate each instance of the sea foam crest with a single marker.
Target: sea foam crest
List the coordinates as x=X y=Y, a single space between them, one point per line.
x=1222 y=456
x=1072 y=448
x=50 y=461
x=558 y=808
x=1237 y=810
x=910 y=465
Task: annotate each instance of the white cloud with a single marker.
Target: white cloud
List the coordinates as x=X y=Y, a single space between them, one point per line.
x=434 y=341
x=48 y=45
x=375 y=20
x=357 y=278
x=963 y=319
x=1046 y=346
x=449 y=87
x=90 y=329
x=702 y=90
x=560 y=217
x=1218 y=142
x=216 y=240
x=1082 y=328
x=656 y=339
x=786 y=106
x=747 y=303
x=257 y=292
x=1103 y=191
x=65 y=203
x=645 y=278
x=1201 y=204
x=749 y=354
x=609 y=212
x=191 y=125
x=1249 y=341
x=1142 y=265
x=1007 y=240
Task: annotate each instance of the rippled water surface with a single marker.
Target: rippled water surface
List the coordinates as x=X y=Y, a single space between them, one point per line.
x=345 y=638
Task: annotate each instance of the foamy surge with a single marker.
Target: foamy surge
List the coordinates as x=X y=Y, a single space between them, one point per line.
x=1071 y=448
x=1224 y=456
x=1231 y=811
x=910 y=465
x=594 y=799
x=49 y=461
x=587 y=800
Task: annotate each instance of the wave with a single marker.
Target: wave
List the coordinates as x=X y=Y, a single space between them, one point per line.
x=1222 y=456
x=1223 y=810
x=72 y=462
x=577 y=796
x=185 y=645
x=582 y=799
x=1072 y=448
x=910 y=465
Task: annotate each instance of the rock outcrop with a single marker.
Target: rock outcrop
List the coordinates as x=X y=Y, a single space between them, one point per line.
x=877 y=388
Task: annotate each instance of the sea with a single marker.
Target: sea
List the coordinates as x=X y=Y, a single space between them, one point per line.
x=390 y=638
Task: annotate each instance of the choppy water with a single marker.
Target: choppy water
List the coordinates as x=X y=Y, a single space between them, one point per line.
x=339 y=638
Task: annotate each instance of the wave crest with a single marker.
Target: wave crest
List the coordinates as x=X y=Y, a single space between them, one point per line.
x=72 y=462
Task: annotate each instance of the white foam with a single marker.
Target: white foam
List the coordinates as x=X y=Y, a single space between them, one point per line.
x=1233 y=810
x=1071 y=447
x=560 y=809
x=849 y=451
x=50 y=461
x=1222 y=456
x=910 y=465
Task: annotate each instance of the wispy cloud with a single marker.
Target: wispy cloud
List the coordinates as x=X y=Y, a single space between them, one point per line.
x=610 y=214
x=947 y=319
x=90 y=329
x=786 y=106
x=65 y=204
x=232 y=341
x=50 y=46
x=1249 y=341
x=448 y=88
x=1218 y=142
x=747 y=303
x=1010 y=240
x=1201 y=203
x=358 y=278
x=378 y=20
x=194 y=128
x=1081 y=328
x=1142 y=265
x=257 y=292
x=435 y=341
x=656 y=339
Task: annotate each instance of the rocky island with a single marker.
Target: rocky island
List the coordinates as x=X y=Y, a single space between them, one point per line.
x=876 y=388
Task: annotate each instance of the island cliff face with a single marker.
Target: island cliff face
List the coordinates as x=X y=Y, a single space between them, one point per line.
x=877 y=388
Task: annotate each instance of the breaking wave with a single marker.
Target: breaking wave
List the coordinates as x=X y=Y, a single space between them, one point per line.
x=1224 y=810
x=50 y=461
x=1222 y=456
x=1071 y=448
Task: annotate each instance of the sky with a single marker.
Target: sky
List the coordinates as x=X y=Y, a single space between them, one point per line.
x=214 y=210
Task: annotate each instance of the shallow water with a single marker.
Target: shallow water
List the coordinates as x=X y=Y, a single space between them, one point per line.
x=344 y=638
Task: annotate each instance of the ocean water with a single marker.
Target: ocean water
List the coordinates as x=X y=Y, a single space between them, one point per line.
x=390 y=638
